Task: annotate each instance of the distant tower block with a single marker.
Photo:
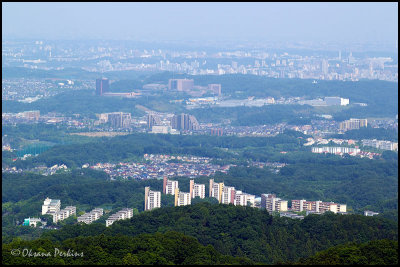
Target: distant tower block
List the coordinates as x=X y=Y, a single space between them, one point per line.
x=102 y=86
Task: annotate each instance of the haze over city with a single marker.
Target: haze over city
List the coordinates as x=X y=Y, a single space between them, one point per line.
x=278 y=22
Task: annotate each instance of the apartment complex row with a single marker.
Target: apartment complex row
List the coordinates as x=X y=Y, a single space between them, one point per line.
x=91 y=216
x=120 y=215
x=52 y=207
x=381 y=144
x=317 y=206
x=336 y=150
x=152 y=199
x=229 y=195
x=271 y=203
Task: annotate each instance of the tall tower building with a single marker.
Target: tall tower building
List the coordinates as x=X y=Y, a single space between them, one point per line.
x=153 y=120
x=217 y=190
x=152 y=199
x=184 y=122
x=182 y=198
x=197 y=190
x=102 y=86
x=181 y=84
x=228 y=195
x=170 y=187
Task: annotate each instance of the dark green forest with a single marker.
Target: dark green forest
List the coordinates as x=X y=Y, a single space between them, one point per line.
x=370 y=133
x=241 y=231
x=146 y=249
x=377 y=252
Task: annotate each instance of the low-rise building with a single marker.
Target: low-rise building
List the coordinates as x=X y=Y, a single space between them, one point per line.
x=370 y=213
x=64 y=213
x=120 y=215
x=91 y=216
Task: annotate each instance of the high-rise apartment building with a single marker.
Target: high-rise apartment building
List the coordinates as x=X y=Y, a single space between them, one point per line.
x=215 y=88
x=184 y=122
x=181 y=84
x=102 y=86
x=197 y=190
x=216 y=190
x=228 y=195
x=153 y=120
x=152 y=199
x=119 y=119
x=244 y=199
x=169 y=186
x=353 y=124
x=271 y=203
x=182 y=198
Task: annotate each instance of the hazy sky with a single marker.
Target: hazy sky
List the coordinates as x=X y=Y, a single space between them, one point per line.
x=343 y=22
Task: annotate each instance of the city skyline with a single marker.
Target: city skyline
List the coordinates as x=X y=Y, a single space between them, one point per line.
x=248 y=22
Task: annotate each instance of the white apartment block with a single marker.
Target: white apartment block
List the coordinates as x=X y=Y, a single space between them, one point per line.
x=64 y=213
x=241 y=199
x=216 y=190
x=182 y=198
x=381 y=144
x=276 y=204
x=152 y=199
x=170 y=187
x=197 y=190
x=91 y=216
x=228 y=195
x=370 y=213
x=318 y=206
x=336 y=150
x=51 y=206
x=120 y=215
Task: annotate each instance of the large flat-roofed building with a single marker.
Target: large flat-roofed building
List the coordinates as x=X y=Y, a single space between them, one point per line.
x=102 y=86
x=51 y=206
x=181 y=84
x=152 y=199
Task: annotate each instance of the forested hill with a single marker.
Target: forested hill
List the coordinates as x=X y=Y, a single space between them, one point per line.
x=244 y=231
x=377 y=252
x=147 y=249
